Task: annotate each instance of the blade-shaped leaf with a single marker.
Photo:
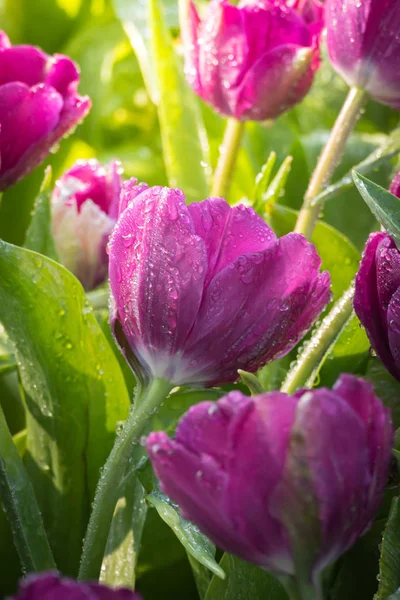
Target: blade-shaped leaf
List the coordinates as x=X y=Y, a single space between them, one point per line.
x=383 y=205
x=389 y=566
x=38 y=236
x=124 y=538
x=21 y=508
x=244 y=580
x=195 y=543
x=183 y=135
x=74 y=389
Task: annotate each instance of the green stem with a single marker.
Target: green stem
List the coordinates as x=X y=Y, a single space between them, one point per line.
x=112 y=474
x=227 y=158
x=21 y=508
x=328 y=160
x=306 y=368
x=298 y=590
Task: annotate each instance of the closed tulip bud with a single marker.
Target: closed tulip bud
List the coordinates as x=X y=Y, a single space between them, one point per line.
x=286 y=482
x=255 y=60
x=364 y=45
x=52 y=586
x=84 y=211
x=39 y=104
x=377 y=298
x=200 y=291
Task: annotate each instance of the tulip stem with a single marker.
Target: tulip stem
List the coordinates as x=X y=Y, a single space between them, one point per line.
x=317 y=348
x=300 y=591
x=329 y=159
x=106 y=495
x=227 y=158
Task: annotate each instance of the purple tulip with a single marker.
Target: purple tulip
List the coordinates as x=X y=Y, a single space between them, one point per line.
x=276 y=478
x=39 y=104
x=255 y=60
x=201 y=291
x=84 y=211
x=377 y=298
x=52 y=586
x=364 y=45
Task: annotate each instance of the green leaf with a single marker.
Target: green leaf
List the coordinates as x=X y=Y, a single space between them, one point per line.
x=124 y=538
x=21 y=508
x=183 y=135
x=338 y=254
x=195 y=543
x=74 y=390
x=244 y=580
x=389 y=565
x=383 y=205
x=38 y=236
x=251 y=382
x=354 y=576
x=386 y=387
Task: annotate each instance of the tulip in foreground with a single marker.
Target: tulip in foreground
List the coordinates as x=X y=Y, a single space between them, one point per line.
x=85 y=205
x=364 y=45
x=200 y=291
x=52 y=586
x=285 y=482
x=39 y=104
x=255 y=60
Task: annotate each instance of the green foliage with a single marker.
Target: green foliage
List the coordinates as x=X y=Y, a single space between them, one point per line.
x=74 y=390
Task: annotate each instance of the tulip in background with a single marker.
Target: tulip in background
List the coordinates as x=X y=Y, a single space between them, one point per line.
x=200 y=291
x=39 y=104
x=286 y=482
x=364 y=45
x=85 y=205
x=255 y=60
x=51 y=586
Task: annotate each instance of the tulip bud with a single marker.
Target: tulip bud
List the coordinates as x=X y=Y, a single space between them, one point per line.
x=39 y=104
x=200 y=291
x=286 y=482
x=255 y=60
x=84 y=211
x=364 y=45
x=52 y=586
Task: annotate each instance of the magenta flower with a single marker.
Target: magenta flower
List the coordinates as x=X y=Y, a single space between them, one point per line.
x=275 y=477
x=364 y=45
x=39 y=104
x=84 y=211
x=52 y=586
x=200 y=291
x=377 y=298
x=255 y=60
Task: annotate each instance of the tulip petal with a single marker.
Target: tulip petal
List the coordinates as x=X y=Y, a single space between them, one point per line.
x=23 y=64
x=129 y=191
x=366 y=300
x=258 y=453
x=328 y=470
x=258 y=308
x=276 y=82
x=228 y=232
x=359 y=394
x=190 y=27
x=157 y=270
x=197 y=484
x=371 y=29
x=34 y=111
x=62 y=74
x=387 y=259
